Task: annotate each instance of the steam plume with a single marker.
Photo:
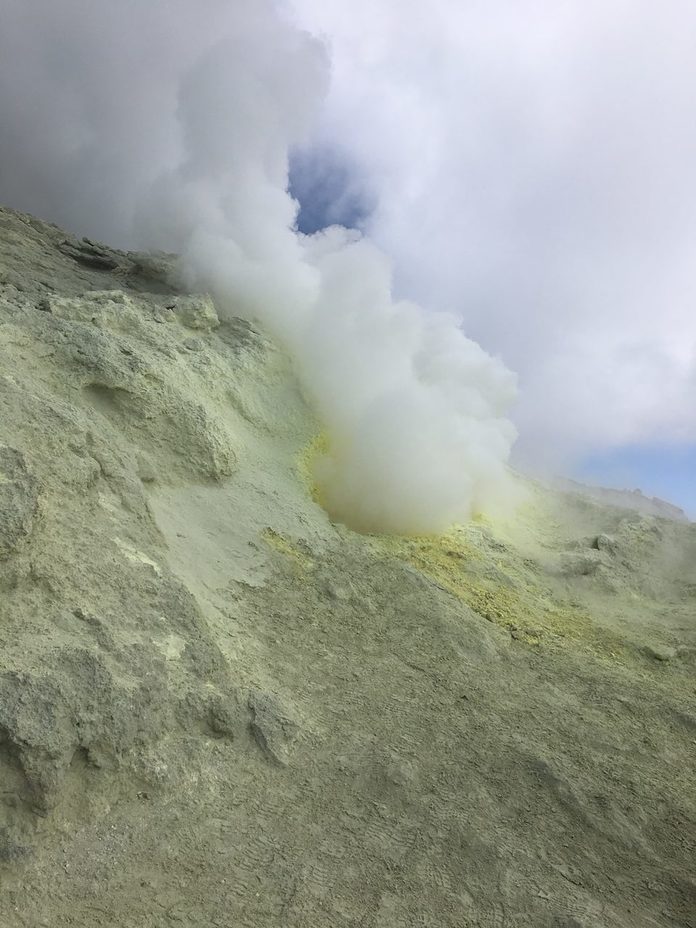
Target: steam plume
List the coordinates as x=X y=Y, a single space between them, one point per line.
x=177 y=136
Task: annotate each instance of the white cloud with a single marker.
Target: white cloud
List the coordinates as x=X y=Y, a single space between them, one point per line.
x=169 y=124
x=534 y=168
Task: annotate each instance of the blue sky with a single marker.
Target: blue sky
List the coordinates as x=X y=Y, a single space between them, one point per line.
x=328 y=189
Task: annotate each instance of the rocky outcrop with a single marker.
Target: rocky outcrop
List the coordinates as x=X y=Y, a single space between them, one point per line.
x=104 y=651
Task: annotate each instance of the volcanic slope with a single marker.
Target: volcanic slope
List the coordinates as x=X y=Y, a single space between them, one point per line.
x=217 y=708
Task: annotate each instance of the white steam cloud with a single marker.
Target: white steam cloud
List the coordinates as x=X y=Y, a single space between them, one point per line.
x=537 y=157
x=169 y=126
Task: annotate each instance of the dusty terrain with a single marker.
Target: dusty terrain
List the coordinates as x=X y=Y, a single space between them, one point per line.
x=219 y=709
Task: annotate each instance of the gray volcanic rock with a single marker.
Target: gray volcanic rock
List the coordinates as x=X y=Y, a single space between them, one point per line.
x=217 y=708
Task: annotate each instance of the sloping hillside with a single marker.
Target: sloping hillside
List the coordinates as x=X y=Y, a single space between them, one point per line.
x=217 y=708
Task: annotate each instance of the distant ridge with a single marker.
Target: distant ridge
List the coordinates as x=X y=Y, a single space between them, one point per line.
x=624 y=499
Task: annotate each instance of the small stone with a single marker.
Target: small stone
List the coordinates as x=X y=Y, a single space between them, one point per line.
x=661 y=653
x=401 y=772
x=605 y=543
x=336 y=592
x=193 y=344
x=274 y=730
x=197 y=312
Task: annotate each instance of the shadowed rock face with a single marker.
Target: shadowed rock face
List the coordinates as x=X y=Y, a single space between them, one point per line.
x=218 y=708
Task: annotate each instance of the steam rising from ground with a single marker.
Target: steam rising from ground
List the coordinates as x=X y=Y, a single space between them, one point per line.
x=416 y=408
x=179 y=139
x=538 y=157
